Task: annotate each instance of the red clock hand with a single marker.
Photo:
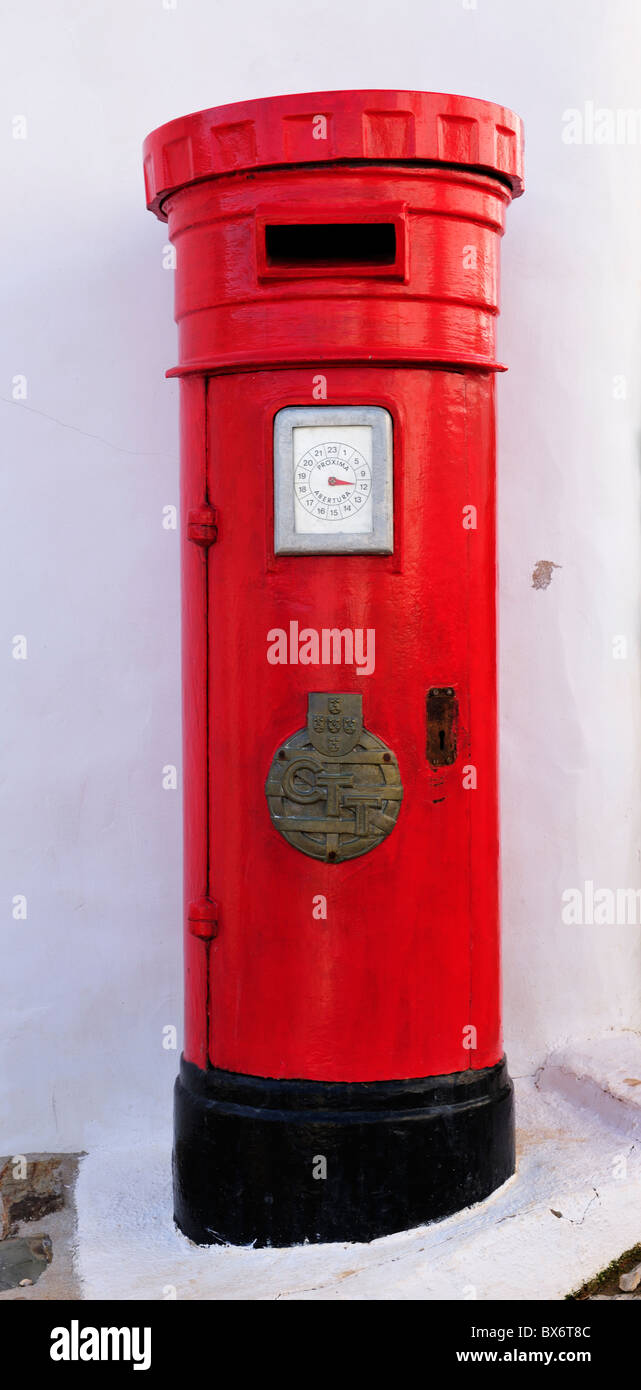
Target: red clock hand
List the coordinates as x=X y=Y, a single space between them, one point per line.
x=339 y=482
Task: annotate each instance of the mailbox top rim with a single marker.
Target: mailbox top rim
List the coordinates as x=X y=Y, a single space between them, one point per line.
x=375 y=125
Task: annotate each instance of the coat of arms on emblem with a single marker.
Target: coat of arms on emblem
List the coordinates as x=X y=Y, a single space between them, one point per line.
x=334 y=790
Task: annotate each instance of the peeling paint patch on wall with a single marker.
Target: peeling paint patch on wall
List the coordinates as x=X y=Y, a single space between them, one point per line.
x=542 y=573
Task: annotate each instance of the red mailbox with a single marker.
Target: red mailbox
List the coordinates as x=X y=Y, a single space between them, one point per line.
x=336 y=297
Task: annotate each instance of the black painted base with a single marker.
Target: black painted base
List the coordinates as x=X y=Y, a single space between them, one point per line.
x=262 y=1162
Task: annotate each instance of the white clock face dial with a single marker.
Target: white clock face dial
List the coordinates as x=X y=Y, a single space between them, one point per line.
x=332 y=480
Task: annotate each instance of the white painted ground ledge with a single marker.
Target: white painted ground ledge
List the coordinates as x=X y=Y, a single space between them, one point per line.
x=573 y=1205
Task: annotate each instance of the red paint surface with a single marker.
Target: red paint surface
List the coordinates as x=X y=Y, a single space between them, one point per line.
x=408 y=956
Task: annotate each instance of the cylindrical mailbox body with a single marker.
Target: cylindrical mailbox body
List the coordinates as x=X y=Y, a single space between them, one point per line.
x=336 y=295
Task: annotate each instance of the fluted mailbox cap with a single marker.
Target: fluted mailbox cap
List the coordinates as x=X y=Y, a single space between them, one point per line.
x=333 y=127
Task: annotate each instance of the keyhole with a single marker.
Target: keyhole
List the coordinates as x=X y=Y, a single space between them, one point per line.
x=441 y=738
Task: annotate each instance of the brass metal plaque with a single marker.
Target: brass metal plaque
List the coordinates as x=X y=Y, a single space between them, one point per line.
x=334 y=790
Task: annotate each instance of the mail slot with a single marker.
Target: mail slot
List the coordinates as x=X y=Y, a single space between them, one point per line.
x=330 y=245
x=343 y=1073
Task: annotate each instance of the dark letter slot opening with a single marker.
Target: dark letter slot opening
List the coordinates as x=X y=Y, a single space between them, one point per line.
x=331 y=244
x=442 y=720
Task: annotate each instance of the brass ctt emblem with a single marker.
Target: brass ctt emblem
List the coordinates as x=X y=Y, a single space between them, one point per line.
x=334 y=790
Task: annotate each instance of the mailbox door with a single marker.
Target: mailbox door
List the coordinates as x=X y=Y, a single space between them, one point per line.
x=384 y=965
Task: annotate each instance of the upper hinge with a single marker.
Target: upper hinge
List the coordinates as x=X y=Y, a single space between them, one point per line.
x=202 y=918
x=202 y=525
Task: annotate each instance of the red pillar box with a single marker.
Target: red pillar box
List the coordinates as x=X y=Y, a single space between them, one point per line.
x=336 y=297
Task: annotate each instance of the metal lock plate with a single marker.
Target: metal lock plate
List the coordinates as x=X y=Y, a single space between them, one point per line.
x=442 y=725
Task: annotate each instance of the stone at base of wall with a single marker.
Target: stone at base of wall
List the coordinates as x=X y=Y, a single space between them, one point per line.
x=38 y=1226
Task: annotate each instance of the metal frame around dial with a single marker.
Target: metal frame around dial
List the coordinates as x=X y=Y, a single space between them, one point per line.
x=378 y=541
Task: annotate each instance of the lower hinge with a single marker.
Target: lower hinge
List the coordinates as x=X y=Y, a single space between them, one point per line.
x=202 y=525
x=202 y=918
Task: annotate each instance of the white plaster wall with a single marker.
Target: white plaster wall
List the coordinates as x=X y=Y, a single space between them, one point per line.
x=92 y=976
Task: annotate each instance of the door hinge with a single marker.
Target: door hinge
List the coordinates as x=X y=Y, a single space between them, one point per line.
x=202 y=525
x=202 y=918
